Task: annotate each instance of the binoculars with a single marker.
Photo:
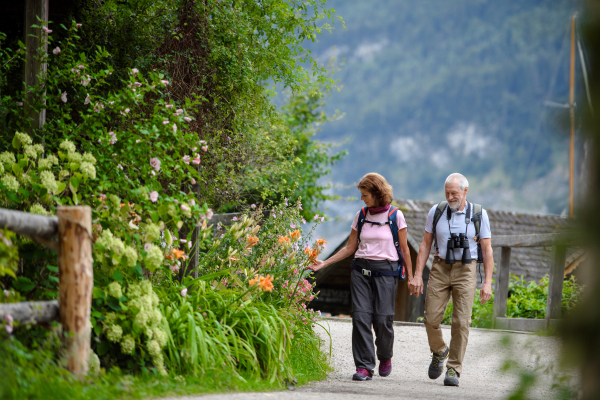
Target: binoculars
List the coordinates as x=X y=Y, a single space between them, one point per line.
x=458 y=241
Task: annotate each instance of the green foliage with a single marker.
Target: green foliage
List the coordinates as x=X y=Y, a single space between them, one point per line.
x=9 y=254
x=525 y=300
x=35 y=372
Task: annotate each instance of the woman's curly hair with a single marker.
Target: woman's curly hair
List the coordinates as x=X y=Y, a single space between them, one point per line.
x=379 y=188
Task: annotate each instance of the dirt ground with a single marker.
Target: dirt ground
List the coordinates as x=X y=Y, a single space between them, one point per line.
x=482 y=377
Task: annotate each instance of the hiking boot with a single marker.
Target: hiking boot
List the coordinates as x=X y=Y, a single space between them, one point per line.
x=361 y=375
x=451 y=378
x=437 y=364
x=385 y=368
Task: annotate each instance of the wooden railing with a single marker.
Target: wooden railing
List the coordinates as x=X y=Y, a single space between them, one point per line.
x=559 y=243
x=70 y=235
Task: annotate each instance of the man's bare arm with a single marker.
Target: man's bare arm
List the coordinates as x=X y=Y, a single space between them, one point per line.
x=416 y=285
x=488 y=266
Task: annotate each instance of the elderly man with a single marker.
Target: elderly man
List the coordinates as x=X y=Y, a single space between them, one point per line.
x=453 y=273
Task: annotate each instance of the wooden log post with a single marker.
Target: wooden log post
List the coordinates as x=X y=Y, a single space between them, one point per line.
x=34 y=9
x=555 y=284
x=501 y=290
x=76 y=283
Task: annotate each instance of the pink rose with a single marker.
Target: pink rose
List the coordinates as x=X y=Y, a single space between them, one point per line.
x=196 y=159
x=56 y=50
x=135 y=70
x=165 y=122
x=169 y=105
x=153 y=196
x=155 y=163
x=186 y=159
x=204 y=148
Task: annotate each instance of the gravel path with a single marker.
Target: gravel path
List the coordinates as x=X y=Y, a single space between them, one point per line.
x=481 y=379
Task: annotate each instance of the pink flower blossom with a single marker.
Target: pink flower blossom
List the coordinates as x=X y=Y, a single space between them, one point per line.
x=81 y=66
x=113 y=138
x=8 y=328
x=196 y=159
x=322 y=219
x=204 y=148
x=153 y=196
x=137 y=84
x=184 y=292
x=165 y=122
x=135 y=70
x=85 y=80
x=87 y=100
x=193 y=202
x=120 y=167
x=79 y=25
x=185 y=208
x=169 y=105
x=153 y=173
x=187 y=119
x=102 y=196
x=63 y=97
x=174 y=128
x=292 y=226
x=234 y=218
x=300 y=206
x=253 y=206
x=75 y=71
x=46 y=30
x=20 y=103
x=209 y=213
x=56 y=50
x=316 y=217
x=179 y=111
x=303 y=221
x=194 y=148
x=202 y=142
x=189 y=245
x=98 y=107
x=127 y=110
x=286 y=201
x=164 y=82
x=193 y=181
x=137 y=140
x=186 y=159
x=147 y=246
x=155 y=163
x=175 y=269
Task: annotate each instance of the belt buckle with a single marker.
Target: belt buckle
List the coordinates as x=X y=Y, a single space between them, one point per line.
x=366 y=272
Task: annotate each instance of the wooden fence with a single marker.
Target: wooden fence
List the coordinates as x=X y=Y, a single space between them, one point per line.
x=559 y=243
x=70 y=235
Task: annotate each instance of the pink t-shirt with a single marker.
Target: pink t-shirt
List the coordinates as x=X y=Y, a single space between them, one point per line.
x=376 y=242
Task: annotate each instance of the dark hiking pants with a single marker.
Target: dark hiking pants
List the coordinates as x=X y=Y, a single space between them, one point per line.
x=372 y=305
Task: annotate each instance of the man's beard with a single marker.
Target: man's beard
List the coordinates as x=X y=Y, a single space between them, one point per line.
x=456 y=205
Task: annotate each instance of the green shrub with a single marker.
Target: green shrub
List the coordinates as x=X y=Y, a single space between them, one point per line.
x=525 y=300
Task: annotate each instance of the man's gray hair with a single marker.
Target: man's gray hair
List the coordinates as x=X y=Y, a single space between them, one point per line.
x=458 y=178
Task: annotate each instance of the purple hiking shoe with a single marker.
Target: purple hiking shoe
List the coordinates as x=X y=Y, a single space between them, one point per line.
x=385 y=368
x=361 y=375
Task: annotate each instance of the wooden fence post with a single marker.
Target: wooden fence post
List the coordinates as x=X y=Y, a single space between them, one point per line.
x=501 y=290
x=34 y=9
x=76 y=282
x=555 y=284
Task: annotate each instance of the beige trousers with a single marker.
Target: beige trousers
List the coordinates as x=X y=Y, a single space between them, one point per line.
x=460 y=281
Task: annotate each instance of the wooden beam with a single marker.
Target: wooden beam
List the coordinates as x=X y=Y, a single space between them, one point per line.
x=29 y=224
x=76 y=283
x=29 y=311
x=34 y=9
x=555 y=285
x=537 y=239
x=501 y=290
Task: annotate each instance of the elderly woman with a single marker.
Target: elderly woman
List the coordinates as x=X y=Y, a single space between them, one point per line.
x=379 y=232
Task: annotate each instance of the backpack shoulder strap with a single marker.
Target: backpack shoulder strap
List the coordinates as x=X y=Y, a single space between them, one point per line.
x=439 y=211
x=393 y=219
x=477 y=215
x=361 y=221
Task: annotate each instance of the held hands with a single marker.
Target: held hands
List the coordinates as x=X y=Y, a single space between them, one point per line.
x=485 y=293
x=317 y=265
x=415 y=285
